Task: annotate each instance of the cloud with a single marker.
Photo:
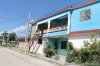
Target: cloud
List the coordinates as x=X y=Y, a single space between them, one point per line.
x=19 y=29
x=1 y=33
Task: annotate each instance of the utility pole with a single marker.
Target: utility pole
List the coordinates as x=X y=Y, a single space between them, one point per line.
x=27 y=25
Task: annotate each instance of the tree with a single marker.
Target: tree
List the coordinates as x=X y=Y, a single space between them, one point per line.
x=5 y=37
x=12 y=37
x=0 y=37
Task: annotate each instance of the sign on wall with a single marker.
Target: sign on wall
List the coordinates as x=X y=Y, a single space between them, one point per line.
x=85 y=15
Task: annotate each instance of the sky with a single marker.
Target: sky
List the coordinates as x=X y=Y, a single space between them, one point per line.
x=14 y=13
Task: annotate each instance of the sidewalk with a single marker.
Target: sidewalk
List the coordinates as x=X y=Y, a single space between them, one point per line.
x=12 y=58
x=60 y=62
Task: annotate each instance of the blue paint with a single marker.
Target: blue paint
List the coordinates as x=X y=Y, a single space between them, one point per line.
x=62 y=51
x=54 y=17
x=76 y=24
x=58 y=40
x=56 y=33
x=93 y=23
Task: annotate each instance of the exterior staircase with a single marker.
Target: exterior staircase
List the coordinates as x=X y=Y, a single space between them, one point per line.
x=34 y=45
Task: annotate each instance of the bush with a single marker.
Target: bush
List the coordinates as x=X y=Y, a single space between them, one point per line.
x=90 y=53
x=49 y=51
x=69 y=58
x=70 y=46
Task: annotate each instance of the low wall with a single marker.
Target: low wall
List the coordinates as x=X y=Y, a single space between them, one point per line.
x=23 y=46
x=78 y=40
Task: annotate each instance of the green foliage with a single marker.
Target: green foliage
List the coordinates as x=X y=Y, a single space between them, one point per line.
x=49 y=51
x=90 y=53
x=69 y=58
x=21 y=39
x=8 y=38
x=70 y=46
x=1 y=37
x=5 y=35
x=12 y=37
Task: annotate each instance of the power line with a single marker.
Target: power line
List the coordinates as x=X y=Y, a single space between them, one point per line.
x=14 y=19
x=11 y=17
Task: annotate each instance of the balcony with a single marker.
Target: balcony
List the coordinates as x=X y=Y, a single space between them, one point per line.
x=45 y=31
x=56 y=29
x=61 y=28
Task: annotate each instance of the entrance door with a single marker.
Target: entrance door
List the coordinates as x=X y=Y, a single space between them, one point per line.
x=56 y=44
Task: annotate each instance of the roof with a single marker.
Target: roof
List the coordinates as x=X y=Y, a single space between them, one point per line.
x=32 y=22
x=84 y=32
x=64 y=9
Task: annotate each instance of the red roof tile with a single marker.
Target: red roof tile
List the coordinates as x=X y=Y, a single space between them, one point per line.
x=84 y=32
x=66 y=8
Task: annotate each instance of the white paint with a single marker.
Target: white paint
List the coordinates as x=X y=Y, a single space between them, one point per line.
x=33 y=46
x=49 y=24
x=68 y=27
x=42 y=46
x=78 y=40
x=36 y=26
x=40 y=49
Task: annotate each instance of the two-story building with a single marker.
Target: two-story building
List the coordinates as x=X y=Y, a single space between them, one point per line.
x=70 y=24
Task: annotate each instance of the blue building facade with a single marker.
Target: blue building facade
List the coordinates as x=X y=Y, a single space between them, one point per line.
x=90 y=24
x=57 y=28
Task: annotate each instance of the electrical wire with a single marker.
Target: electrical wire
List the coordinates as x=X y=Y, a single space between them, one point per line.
x=12 y=19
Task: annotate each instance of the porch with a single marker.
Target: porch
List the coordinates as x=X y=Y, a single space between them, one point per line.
x=56 y=25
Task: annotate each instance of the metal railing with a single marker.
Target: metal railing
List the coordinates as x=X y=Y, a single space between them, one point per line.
x=55 y=29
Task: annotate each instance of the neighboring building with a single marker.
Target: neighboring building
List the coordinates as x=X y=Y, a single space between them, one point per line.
x=71 y=24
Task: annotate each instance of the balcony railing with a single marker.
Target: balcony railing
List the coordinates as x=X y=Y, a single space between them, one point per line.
x=38 y=32
x=61 y=28
x=58 y=29
x=45 y=31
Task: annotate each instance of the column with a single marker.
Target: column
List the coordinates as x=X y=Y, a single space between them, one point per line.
x=69 y=20
x=48 y=26
x=36 y=26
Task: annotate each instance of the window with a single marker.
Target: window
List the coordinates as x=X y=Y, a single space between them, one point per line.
x=63 y=44
x=56 y=45
x=85 y=15
x=40 y=40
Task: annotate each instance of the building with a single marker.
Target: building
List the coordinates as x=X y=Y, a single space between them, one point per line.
x=71 y=24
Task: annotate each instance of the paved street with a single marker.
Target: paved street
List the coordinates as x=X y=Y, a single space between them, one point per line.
x=12 y=58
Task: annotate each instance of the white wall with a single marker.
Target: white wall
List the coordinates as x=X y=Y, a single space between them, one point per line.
x=40 y=50
x=42 y=46
x=77 y=40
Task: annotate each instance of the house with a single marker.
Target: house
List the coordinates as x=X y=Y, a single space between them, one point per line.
x=70 y=24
